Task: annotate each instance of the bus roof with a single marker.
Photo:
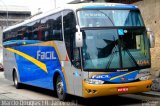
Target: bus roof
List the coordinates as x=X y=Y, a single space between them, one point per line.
x=103 y=5
x=75 y=7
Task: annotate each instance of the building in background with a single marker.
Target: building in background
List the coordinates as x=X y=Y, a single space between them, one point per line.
x=10 y=14
x=150 y=10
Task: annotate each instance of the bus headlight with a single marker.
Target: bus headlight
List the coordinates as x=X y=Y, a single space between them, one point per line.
x=94 y=81
x=145 y=77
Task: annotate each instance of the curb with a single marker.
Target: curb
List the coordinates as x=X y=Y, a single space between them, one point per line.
x=151 y=93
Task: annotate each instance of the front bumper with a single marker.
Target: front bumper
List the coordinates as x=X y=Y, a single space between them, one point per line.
x=92 y=90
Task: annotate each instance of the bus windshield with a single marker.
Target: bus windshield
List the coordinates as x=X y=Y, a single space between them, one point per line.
x=114 y=40
x=106 y=18
x=115 y=48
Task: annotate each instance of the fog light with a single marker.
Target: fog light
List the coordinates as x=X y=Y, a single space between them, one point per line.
x=144 y=78
x=91 y=91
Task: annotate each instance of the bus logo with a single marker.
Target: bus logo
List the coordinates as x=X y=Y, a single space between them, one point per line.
x=101 y=76
x=45 y=55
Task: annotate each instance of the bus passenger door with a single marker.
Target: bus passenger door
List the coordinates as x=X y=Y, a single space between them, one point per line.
x=76 y=70
x=75 y=73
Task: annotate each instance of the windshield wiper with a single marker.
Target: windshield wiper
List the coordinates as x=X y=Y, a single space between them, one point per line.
x=130 y=55
x=128 y=52
x=112 y=54
x=110 y=60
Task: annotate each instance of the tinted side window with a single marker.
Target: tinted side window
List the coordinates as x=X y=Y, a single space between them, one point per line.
x=10 y=35
x=20 y=33
x=44 y=29
x=34 y=27
x=69 y=23
x=6 y=36
x=51 y=27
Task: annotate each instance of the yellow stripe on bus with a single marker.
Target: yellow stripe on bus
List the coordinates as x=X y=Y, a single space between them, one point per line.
x=31 y=59
x=121 y=75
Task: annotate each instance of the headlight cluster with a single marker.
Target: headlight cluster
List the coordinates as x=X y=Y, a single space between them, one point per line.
x=144 y=77
x=94 y=81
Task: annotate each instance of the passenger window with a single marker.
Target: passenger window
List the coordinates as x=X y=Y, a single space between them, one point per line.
x=51 y=27
x=35 y=26
x=46 y=29
x=43 y=27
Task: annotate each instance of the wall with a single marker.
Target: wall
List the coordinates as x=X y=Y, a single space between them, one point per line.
x=150 y=10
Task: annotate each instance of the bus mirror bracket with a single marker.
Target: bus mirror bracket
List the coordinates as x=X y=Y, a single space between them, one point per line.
x=151 y=37
x=78 y=37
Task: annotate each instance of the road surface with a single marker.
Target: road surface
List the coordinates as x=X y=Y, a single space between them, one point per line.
x=29 y=95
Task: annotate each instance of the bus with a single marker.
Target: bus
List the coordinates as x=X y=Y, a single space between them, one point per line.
x=87 y=50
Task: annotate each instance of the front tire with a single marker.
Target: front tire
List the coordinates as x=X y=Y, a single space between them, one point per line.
x=60 y=89
x=15 y=80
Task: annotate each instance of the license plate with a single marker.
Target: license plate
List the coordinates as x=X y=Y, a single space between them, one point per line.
x=125 y=89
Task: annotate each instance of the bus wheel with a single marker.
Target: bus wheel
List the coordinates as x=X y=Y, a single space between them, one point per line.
x=15 y=80
x=60 y=89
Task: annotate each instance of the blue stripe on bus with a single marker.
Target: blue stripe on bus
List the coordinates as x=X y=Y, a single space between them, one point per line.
x=117 y=77
x=110 y=7
x=19 y=42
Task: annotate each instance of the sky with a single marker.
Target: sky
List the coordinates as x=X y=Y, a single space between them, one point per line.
x=33 y=5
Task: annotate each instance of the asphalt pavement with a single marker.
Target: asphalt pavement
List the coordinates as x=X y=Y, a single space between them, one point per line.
x=33 y=96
